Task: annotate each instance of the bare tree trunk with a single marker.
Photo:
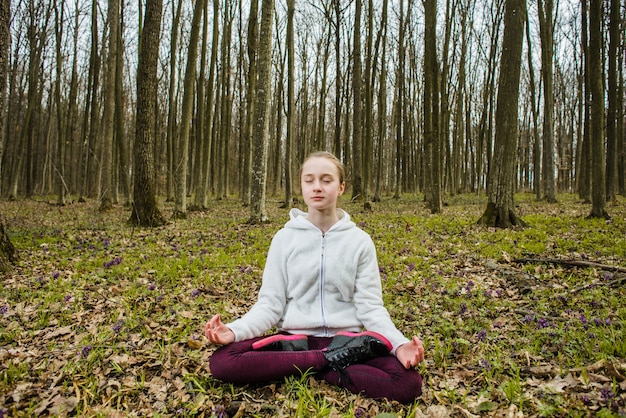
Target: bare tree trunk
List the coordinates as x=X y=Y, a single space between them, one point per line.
x=7 y=250
x=108 y=118
x=431 y=109
x=382 y=102
x=145 y=208
x=91 y=118
x=584 y=156
x=226 y=104
x=399 y=102
x=261 y=116
x=535 y=117
x=173 y=104
x=182 y=154
x=613 y=110
x=291 y=101
x=357 y=85
x=598 y=163
x=59 y=13
x=546 y=24
x=120 y=132
x=500 y=210
x=246 y=150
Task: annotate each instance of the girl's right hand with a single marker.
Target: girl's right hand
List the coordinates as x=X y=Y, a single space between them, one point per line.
x=218 y=333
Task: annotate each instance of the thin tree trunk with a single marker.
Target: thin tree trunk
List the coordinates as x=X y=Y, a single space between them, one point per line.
x=261 y=116
x=357 y=85
x=108 y=118
x=613 y=110
x=598 y=162
x=546 y=8
x=145 y=208
x=431 y=110
x=500 y=210
x=291 y=101
x=180 y=201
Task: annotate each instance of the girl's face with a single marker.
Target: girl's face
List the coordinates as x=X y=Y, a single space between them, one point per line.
x=320 y=184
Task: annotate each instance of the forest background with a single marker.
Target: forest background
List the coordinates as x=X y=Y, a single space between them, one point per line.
x=425 y=102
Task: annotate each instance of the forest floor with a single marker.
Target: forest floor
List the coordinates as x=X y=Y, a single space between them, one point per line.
x=103 y=319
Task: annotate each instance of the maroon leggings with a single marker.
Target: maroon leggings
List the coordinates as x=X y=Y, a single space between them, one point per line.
x=381 y=377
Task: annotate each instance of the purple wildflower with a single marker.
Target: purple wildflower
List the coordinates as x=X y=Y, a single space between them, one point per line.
x=67 y=298
x=607 y=394
x=583 y=319
x=55 y=275
x=85 y=351
x=482 y=335
x=195 y=293
x=462 y=309
x=543 y=323
x=411 y=266
x=3 y=413
x=4 y=309
x=220 y=412
x=585 y=399
x=151 y=286
x=359 y=412
x=484 y=363
x=117 y=327
x=114 y=262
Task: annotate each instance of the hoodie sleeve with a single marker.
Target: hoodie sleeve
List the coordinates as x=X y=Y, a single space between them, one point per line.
x=368 y=297
x=269 y=307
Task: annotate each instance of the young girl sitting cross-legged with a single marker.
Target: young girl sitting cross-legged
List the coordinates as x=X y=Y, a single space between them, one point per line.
x=321 y=289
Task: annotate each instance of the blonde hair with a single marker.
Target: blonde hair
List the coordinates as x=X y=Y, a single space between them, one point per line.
x=341 y=171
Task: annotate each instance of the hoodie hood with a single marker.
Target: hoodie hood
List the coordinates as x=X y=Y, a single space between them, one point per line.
x=298 y=220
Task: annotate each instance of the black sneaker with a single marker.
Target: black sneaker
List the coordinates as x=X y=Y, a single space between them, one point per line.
x=283 y=342
x=347 y=348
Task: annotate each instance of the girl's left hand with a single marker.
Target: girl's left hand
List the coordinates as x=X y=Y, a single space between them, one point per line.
x=411 y=354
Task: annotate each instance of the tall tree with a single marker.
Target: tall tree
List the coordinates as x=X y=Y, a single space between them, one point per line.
x=583 y=173
x=615 y=39
x=180 y=198
x=59 y=24
x=546 y=25
x=357 y=108
x=246 y=148
x=91 y=117
x=291 y=100
x=598 y=163
x=173 y=102
x=108 y=118
x=145 y=207
x=261 y=116
x=500 y=210
x=432 y=169
x=7 y=250
x=210 y=98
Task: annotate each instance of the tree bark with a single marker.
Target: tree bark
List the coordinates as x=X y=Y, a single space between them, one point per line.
x=598 y=163
x=357 y=85
x=613 y=109
x=431 y=109
x=180 y=198
x=500 y=210
x=291 y=101
x=261 y=116
x=7 y=250
x=145 y=208
x=546 y=8
x=108 y=118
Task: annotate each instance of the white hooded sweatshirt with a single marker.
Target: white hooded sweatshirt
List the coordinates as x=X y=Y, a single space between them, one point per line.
x=319 y=284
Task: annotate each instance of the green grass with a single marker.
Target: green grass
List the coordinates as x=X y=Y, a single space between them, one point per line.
x=100 y=317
